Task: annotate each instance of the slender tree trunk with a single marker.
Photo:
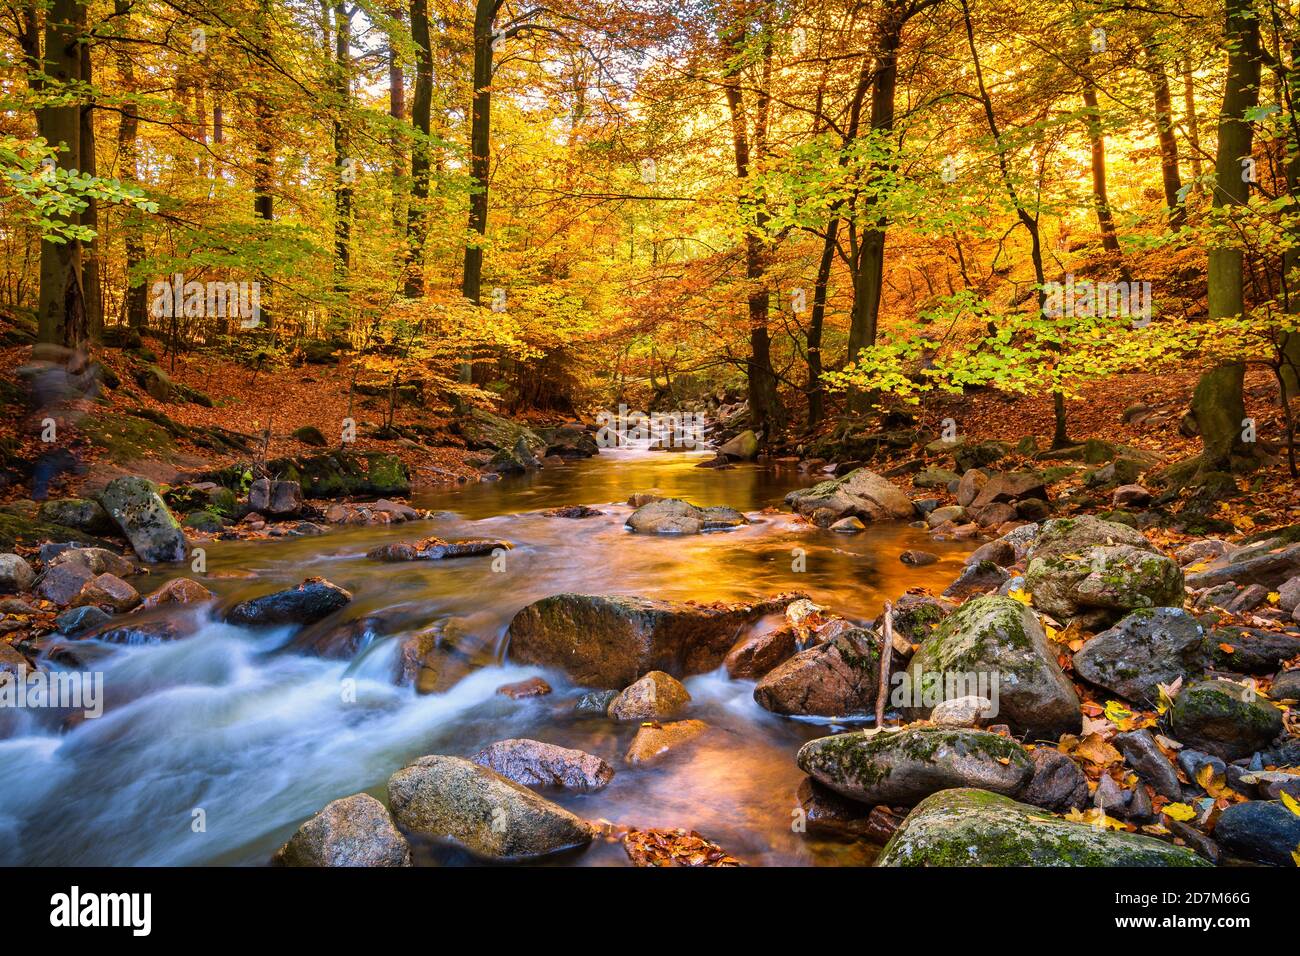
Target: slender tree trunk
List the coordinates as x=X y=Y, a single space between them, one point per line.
x=134 y=304
x=816 y=323
x=485 y=12
x=344 y=163
x=1217 y=402
x=92 y=287
x=1169 y=174
x=1192 y=124
x=421 y=106
x=62 y=310
x=1100 y=199
x=397 y=110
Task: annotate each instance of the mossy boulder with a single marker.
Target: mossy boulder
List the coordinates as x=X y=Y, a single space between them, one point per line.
x=138 y=510
x=354 y=831
x=340 y=474
x=1150 y=647
x=84 y=514
x=1100 y=585
x=908 y=766
x=310 y=435
x=744 y=447
x=1224 y=719
x=156 y=383
x=675 y=516
x=861 y=494
x=483 y=430
x=968 y=827
x=998 y=639
x=1063 y=536
x=29 y=531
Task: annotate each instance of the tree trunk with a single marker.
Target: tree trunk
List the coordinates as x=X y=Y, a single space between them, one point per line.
x=1193 y=126
x=485 y=12
x=421 y=105
x=91 y=285
x=816 y=391
x=342 y=161
x=135 y=303
x=62 y=315
x=1101 y=202
x=396 y=110
x=1217 y=403
x=1164 y=118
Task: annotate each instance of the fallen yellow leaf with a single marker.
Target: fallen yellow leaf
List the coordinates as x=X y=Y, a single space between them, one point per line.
x=1179 y=811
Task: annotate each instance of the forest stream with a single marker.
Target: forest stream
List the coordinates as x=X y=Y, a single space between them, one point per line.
x=213 y=749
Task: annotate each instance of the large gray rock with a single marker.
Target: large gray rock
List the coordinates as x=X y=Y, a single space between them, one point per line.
x=1063 y=536
x=861 y=493
x=452 y=798
x=977 y=828
x=998 y=637
x=143 y=518
x=674 y=516
x=15 y=574
x=532 y=763
x=61 y=583
x=1224 y=719
x=1144 y=756
x=837 y=678
x=1101 y=584
x=905 y=767
x=84 y=514
x=743 y=447
x=309 y=602
x=353 y=831
x=1261 y=830
x=608 y=641
x=656 y=696
x=1149 y=647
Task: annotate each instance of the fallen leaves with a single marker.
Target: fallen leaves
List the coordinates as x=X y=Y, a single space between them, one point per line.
x=674 y=848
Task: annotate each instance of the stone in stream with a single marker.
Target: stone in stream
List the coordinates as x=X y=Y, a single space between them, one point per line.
x=744 y=447
x=656 y=696
x=532 y=763
x=108 y=590
x=915 y=618
x=1058 y=784
x=904 y=767
x=918 y=559
x=861 y=493
x=756 y=654
x=521 y=690
x=353 y=831
x=969 y=827
x=962 y=712
x=97 y=560
x=177 y=591
x=608 y=641
x=455 y=799
x=1099 y=585
x=976 y=578
x=849 y=525
x=1264 y=831
x=435 y=549
x=78 y=620
x=1223 y=719
x=309 y=602
x=1009 y=487
x=16 y=574
x=594 y=703
x=996 y=638
x=653 y=741
x=573 y=511
x=838 y=678
x=1151 y=646
x=675 y=516
x=134 y=504
x=61 y=583
x=144 y=632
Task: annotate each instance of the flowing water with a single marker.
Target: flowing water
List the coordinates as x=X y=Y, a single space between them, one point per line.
x=214 y=748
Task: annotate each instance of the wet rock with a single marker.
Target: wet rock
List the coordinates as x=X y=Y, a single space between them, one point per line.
x=16 y=574
x=905 y=767
x=144 y=632
x=654 y=741
x=573 y=511
x=62 y=583
x=1286 y=686
x=1145 y=757
x=826 y=812
x=595 y=703
x=435 y=549
x=570 y=441
x=494 y=818
x=999 y=636
x=999 y=551
x=949 y=513
x=918 y=559
x=133 y=503
x=655 y=696
x=642 y=498
x=1254 y=650
x=177 y=591
x=1223 y=719
x=849 y=525
x=532 y=763
x=1205 y=848
x=608 y=641
x=11 y=663
x=108 y=590
x=521 y=690
x=757 y=653
x=840 y=677
x=310 y=601
x=970 y=486
x=961 y=712
x=84 y=514
x=861 y=493
x=978 y=578
x=1267 y=563
x=967 y=827
x=1259 y=830
x=1057 y=784
x=1149 y=647
x=915 y=618
x=744 y=447
x=354 y=831
x=97 y=560
x=1064 y=536
x=674 y=516
x=79 y=620
x=1100 y=584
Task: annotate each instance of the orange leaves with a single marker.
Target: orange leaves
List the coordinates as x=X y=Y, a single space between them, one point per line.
x=674 y=848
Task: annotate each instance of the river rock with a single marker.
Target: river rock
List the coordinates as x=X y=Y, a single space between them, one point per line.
x=1099 y=584
x=1151 y=646
x=570 y=441
x=97 y=560
x=653 y=741
x=608 y=641
x=1267 y=563
x=144 y=632
x=524 y=689
x=310 y=601
x=967 y=827
x=1286 y=685
x=915 y=618
x=281 y=498
x=1058 y=784
x=961 y=712
x=934 y=478
x=108 y=590
x=61 y=583
x=435 y=549
x=861 y=493
x=16 y=574
x=354 y=831
x=494 y=818
x=849 y=525
x=757 y=653
x=1264 y=831
x=134 y=504
x=177 y=591
x=1064 y=536
x=79 y=620
x=970 y=486
x=948 y=513
x=838 y=678
x=532 y=763
x=1009 y=487
x=744 y=447
x=826 y=812
x=84 y=514
x=980 y=577
x=1223 y=719
x=674 y=516
x=999 y=636
x=1254 y=649
x=904 y=767
x=1145 y=757
x=656 y=696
